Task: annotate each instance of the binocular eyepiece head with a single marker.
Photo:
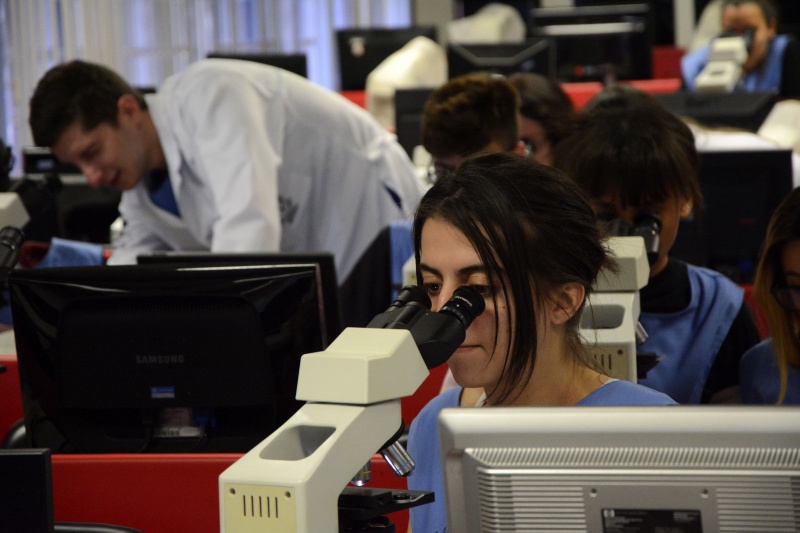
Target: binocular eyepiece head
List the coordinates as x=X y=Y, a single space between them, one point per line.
x=646 y=226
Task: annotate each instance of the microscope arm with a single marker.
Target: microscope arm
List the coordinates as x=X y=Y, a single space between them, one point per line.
x=291 y=482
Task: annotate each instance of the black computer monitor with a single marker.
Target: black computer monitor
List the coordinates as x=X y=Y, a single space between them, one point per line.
x=408 y=107
x=598 y=43
x=742 y=189
x=26 y=493
x=296 y=63
x=361 y=50
x=533 y=55
x=163 y=358
x=324 y=262
x=740 y=110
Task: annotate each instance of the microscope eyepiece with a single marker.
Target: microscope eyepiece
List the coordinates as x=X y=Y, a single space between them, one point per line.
x=646 y=226
x=465 y=305
x=412 y=294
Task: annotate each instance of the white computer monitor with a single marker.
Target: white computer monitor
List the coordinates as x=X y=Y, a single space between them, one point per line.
x=682 y=469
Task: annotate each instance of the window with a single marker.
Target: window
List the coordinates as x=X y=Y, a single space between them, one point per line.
x=148 y=40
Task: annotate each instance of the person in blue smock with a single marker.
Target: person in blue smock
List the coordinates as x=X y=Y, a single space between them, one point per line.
x=773 y=62
x=770 y=371
x=636 y=160
x=525 y=237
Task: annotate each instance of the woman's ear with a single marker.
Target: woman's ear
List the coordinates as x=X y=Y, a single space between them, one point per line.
x=567 y=300
x=686 y=208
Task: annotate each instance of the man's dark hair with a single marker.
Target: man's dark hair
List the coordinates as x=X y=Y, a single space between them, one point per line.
x=468 y=113
x=76 y=92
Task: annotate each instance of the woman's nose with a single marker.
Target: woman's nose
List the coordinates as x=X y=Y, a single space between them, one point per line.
x=444 y=295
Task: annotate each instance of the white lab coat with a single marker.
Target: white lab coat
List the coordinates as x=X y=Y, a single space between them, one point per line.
x=260 y=159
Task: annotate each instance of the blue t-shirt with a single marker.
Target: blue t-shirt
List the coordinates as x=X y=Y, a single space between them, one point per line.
x=423 y=444
x=760 y=380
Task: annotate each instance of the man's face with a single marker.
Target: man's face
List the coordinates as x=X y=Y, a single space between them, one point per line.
x=444 y=165
x=109 y=156
x=748 y=16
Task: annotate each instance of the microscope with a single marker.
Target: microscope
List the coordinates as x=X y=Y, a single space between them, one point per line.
x=727 y=54
x=22 y=200
x=610 y=320
x=296 y=479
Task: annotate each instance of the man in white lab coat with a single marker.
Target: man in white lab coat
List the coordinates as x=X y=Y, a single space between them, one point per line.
x=229 y=156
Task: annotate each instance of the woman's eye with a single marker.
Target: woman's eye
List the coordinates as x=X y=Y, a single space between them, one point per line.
x=483 y=290
x=432 y=288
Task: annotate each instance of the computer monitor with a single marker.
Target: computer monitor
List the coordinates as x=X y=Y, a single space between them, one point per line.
x=324 y=262
x=408 y=107
x=26 y=493
x=740 y=110
x=687 y=469
x=598 y=43
x=362 y=49
x=162 y=358
x=534 y=55
x=741 y=189
x=296 y=63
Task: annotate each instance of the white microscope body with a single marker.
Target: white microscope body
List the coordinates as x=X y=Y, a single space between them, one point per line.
x=291 y=481
x=610 y=320
x=724 y=67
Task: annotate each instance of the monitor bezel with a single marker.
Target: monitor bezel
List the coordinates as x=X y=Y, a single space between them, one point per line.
x=697 y=243
x=296 y=63
x=76 y=420
x=354 y=69
x=660 y=458
x=326 y=270
x=495 y=58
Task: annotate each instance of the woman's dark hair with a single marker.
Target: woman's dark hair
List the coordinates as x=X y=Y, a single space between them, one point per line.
x=533 y=230
x=784 y=227
x=76 y=92
x=628 y=144
x=542 y=99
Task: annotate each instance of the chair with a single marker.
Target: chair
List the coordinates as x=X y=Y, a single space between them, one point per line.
x=16 y=437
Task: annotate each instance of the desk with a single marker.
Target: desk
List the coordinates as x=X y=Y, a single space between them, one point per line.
x=159 y=493
x=581 y=93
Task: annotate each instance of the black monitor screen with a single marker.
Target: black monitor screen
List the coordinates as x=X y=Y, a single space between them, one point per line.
x=162 y=358
x=534 y=55
x=408 y=107
x=741 y=192
x=745 y=111
x=296 y=63
x=361 y=50
x=598 y=43
x=26 y=493
x=323 y=261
